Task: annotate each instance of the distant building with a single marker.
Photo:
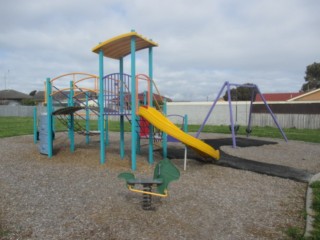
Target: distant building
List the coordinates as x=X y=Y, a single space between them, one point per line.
x=295 y=96
x=277 y=97
x=309 y=96
x=156 y=97
x=12 y=97
x=39 y=97
x=61 y=98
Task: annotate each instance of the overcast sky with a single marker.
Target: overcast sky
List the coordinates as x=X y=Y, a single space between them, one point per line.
x=202 y=43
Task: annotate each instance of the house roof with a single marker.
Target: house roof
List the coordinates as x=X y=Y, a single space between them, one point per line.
x=10 y=94
x=39 y=96
x=61 y=96
x=157 y=97
x=120 y=46
x=275 y=97
x=303 y=95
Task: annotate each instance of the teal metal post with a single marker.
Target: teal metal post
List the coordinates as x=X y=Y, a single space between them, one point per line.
x=151 y=75
x=87 y=119
x=49 y=118
x=121 y=110
x=145 y=100
x=139 y=125
x=71 y=118
x=106 y=128
x=151 y=104
x=138 y=140
x=164 y=135
x=106 y=124
x=185 y=123
x=101 y=109
x=35 y=128
x=133 y=104
x=53 y=121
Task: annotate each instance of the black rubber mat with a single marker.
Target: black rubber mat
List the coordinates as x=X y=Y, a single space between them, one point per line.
x=241 y=142
x=227 y=160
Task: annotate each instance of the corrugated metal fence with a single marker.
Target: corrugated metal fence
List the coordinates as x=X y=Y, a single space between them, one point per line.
x=18 y=111
x=289 y=114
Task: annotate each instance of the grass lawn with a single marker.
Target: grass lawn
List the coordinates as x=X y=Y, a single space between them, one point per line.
x=15 y=126
x=316 y=207
x=306 y=135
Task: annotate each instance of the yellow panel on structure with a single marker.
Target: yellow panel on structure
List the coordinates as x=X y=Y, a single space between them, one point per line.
x=120 y=46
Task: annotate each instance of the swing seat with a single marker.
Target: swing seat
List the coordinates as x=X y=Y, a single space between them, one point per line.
x=235 y=127
x=164 y=173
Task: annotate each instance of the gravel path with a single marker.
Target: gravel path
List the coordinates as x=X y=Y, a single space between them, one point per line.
x=72 y=196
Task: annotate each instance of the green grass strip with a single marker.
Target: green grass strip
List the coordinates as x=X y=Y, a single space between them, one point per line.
x=316 y=208
x=15 y=126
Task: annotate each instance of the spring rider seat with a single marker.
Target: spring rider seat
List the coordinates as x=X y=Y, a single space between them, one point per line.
x=164 y=173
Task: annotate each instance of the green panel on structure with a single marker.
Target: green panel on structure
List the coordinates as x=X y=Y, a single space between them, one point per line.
x=126 y=176
x=167 y=172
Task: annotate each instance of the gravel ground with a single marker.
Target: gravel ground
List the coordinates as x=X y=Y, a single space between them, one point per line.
x=72 y=196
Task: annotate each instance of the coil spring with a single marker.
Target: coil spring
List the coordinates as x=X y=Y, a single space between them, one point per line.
x=147 y=200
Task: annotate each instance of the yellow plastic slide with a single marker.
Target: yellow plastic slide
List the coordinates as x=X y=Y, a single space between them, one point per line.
x=158 y=120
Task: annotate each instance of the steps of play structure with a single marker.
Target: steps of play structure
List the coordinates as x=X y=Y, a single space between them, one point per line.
x=67 y=110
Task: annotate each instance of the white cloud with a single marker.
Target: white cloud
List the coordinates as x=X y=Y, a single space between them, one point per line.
x=201 y=44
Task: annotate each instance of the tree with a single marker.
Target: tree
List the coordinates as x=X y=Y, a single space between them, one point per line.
x=241 y=93
x=33 y=93
x=28 y=102
x=312 y=77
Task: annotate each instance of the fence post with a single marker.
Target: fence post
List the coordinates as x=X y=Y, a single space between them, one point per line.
x=35 y=128
x=164 y=135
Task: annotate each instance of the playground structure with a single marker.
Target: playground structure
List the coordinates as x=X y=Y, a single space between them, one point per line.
x=233 y=126
x=117 y=96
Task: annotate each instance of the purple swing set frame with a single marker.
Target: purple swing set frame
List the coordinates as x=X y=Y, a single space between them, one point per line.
x=228 y=86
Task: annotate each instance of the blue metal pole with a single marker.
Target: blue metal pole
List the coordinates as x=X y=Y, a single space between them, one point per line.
x=106 y=123
x=272 y=115
x=211 y=109
x=234 y=144
x=101 y=109
x=53 y=121
x=49 y=118
x=164 y=135
x=87 y=119
x=151 y=75
x=138 y=144
x=106 y=117
x=185 y=129
x=121 y=111
x=133 y=103
x=35 y=128
x=71 y=118
x=250 y=110
x=145 y=100
x=151 y=104
x=121 y=86
x=185 y=123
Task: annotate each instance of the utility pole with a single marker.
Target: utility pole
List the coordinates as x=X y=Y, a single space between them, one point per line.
x=5 y=85
x=6 y=76
x=6 y=79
